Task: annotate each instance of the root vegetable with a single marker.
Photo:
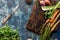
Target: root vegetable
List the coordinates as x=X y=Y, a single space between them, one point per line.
x=54 y=15
x=55 y=26
x=55 y=20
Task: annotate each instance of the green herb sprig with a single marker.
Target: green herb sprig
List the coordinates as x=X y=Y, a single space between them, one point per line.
x=6 y=33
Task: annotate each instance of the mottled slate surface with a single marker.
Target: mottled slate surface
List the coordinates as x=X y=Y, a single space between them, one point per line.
x=20 y=18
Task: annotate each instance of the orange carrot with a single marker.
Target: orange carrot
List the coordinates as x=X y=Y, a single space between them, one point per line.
x=54 y=15
x=55 y=25
x=55 y=20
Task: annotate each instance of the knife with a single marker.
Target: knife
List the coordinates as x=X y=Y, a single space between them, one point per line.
x=9 y=16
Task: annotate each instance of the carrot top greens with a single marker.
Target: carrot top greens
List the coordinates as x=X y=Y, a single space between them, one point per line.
x=49 y=13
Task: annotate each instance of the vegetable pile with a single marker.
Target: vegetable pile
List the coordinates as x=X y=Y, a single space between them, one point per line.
x=44 y=18
x=6 y=33
x=51 y=22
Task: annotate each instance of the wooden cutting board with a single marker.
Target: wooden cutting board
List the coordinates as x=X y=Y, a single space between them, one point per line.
x=36 y=19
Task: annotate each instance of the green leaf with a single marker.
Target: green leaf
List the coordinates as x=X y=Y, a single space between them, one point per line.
x=6 y=33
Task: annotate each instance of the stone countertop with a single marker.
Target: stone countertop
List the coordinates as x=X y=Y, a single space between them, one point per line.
x=20 y=18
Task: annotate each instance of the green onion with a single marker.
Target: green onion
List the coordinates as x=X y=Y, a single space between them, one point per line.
x=46 y=34
x=45 y=8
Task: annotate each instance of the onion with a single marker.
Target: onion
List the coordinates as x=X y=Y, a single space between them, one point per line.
x=42 y=3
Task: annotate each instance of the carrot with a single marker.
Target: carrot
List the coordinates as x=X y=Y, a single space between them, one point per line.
x=55 y=20
x=55 y=26
x=47 y=20
x=54 y=15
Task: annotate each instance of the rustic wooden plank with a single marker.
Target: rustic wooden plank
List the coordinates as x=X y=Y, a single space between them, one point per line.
x=36 y=18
